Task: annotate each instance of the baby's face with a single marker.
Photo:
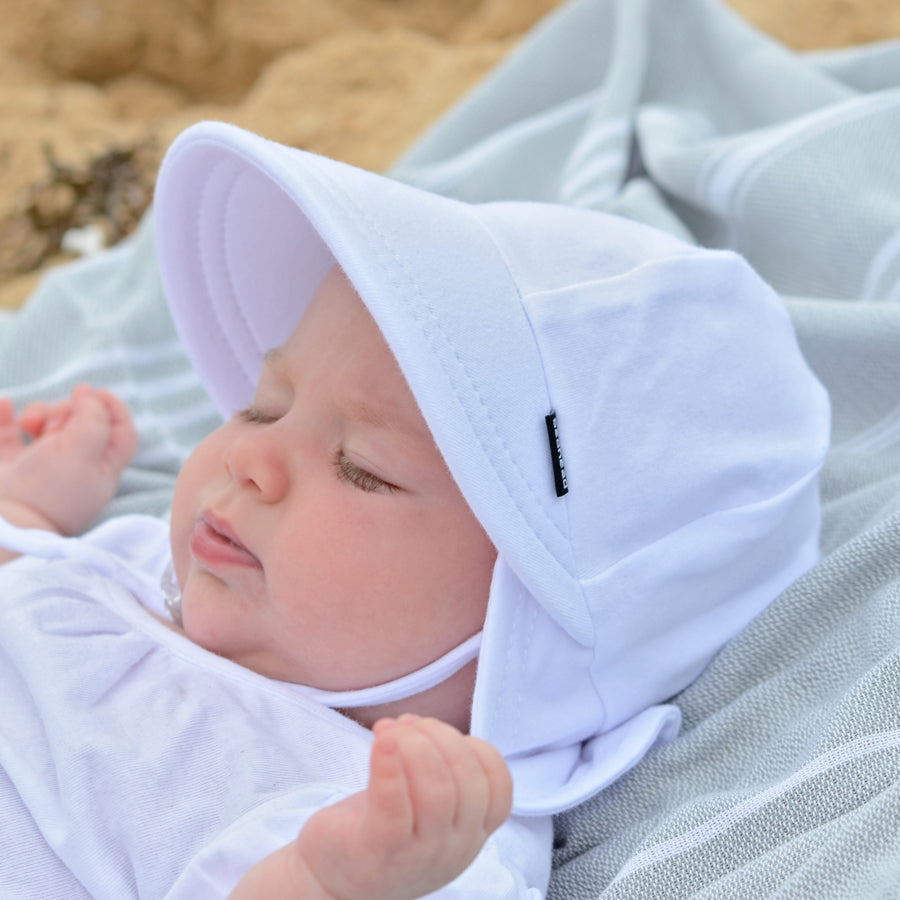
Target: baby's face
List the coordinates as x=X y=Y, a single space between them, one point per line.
x=318 y=537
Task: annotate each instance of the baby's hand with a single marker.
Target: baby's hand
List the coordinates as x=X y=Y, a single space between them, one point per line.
x=69 y=470
x=434 y=797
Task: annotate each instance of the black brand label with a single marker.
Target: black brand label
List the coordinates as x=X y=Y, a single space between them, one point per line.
x=556 y=457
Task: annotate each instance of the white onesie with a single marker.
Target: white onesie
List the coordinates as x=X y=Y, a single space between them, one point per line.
x=133 y=763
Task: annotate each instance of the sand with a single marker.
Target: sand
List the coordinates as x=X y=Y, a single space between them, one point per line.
x=92 y=91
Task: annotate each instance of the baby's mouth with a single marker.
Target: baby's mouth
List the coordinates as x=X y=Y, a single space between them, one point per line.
x=214 y=543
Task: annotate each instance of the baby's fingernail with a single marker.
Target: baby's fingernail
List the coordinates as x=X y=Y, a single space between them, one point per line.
x=408 y=719
x=386 y=744
x=384 y=725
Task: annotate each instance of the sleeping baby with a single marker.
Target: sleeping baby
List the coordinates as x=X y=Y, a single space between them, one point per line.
x=494 y=484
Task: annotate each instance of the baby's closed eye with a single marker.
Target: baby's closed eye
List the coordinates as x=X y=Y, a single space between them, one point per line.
x=345 y=469
x=349 y=472
x=255 y=416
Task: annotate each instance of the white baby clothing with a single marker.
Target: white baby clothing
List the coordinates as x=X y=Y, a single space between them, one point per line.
x=133 y=763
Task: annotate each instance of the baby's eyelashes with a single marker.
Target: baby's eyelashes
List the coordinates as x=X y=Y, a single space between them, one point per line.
x=348 y=471
x=255 y=416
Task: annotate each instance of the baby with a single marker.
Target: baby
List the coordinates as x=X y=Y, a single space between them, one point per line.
x=495 y=483
x=378 y=548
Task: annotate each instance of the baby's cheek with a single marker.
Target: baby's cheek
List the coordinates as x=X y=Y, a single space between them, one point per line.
x=199 y=472
x=181 y=522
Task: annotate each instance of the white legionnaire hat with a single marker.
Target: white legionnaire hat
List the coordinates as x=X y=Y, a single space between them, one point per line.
x=629 y=417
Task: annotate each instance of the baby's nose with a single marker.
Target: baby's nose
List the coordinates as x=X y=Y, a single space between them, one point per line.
x=257 y=461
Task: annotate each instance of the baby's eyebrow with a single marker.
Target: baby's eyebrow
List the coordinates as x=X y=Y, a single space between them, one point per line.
x=361 y=411
x=357 y=408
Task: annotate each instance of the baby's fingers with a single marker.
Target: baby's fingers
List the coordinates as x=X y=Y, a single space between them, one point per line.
x=123 y=439
x=11 y=444
x=459 y=787
x=481 y=782
x=40 y=418
x=419 y=797
x=100 y=426
x=33 y=418
x=388 y=792
x=436 y=773
x=499 y=782
x=87 y=423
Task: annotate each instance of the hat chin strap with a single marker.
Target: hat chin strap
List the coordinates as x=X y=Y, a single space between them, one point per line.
x=398 y=689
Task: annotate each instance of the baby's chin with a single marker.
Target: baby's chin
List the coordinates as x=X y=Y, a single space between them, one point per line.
x=228 y=638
